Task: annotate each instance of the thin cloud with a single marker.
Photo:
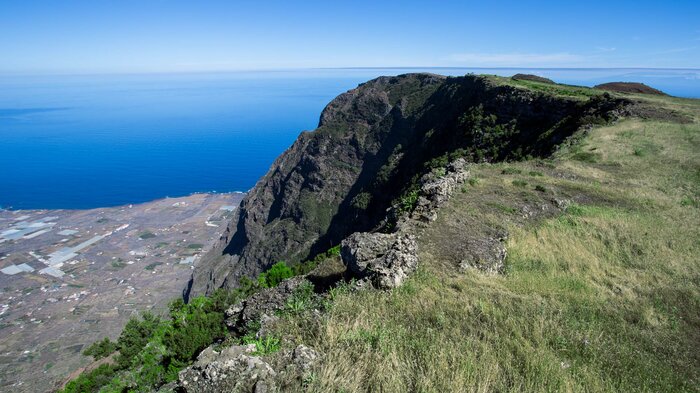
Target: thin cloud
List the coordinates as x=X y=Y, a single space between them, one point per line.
x=674 y=50
x=515 y=59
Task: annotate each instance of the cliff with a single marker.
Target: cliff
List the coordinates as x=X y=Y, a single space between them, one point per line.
x=371 y=145
x=499 y=226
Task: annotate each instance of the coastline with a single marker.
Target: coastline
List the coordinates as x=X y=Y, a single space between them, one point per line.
x=11 y=209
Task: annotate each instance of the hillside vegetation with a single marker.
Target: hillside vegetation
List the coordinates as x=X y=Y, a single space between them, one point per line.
x=604 y=297
x=600 y=289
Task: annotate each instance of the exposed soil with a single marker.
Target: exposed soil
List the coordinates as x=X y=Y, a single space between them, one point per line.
x=646 y=111
x=629 y=87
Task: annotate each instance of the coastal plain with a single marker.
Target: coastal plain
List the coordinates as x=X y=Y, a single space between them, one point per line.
x=69 y=278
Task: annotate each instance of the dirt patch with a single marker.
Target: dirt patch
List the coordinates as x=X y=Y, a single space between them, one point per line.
x=530 y=77
x=647 y=111
x=629 y=87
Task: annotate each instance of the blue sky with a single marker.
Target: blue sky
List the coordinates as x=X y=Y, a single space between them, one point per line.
x=181 y=36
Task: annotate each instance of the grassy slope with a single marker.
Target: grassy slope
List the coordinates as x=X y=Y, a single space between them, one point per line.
x=603 y=297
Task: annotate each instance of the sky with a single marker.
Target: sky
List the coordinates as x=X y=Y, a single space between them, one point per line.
x=127 y=36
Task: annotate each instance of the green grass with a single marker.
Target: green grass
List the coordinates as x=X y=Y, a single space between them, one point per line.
x=585 y=156
x=570 y=91
x=263 y=345
x=602 y=297
x=511 y=171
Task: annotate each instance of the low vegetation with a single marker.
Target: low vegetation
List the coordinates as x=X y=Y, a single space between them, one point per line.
x=604 y=297
x=152 y=349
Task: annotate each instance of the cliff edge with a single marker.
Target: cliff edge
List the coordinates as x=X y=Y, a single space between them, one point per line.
x=371 y=145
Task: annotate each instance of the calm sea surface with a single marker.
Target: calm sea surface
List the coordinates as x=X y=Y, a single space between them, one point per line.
x=93 y=141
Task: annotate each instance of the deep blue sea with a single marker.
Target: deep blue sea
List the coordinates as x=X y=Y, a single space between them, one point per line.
x=105 y=140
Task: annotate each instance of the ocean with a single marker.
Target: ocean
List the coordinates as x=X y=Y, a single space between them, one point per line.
x=85 y=141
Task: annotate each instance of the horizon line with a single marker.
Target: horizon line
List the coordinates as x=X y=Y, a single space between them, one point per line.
x=288 y=69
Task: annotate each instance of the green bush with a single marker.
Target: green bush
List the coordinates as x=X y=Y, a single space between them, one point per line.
x=91 y=381
x=307 y=266
x=135 y=336
x=408 y=201
x=361 y=201
x=273 y=276
x=100 y=349
x=152 y=350
x=193 y=327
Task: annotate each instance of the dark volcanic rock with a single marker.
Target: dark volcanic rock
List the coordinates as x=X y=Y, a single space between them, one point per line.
x=530 y=77
x=371 y=144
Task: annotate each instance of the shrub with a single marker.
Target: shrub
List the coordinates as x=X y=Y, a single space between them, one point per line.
x=408 y=201
x=100 y=349
x=273 y=276
x=92 y=381
x=193 y=327
x=519 y=183
x=361 y=201
x=535 y=173
x=135 y=336
x=540 y=188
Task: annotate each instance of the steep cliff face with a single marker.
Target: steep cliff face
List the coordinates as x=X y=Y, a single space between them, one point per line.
x=371 y=144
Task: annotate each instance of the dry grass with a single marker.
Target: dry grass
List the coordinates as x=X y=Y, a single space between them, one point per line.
x=604 y=297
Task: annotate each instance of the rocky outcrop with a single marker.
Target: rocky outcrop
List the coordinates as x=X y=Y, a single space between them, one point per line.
x=371 y=144
x=262 y=304
x=238 y=369
x=436 y=190
x=486 y=254
x=385 y=260
x=233 y=369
